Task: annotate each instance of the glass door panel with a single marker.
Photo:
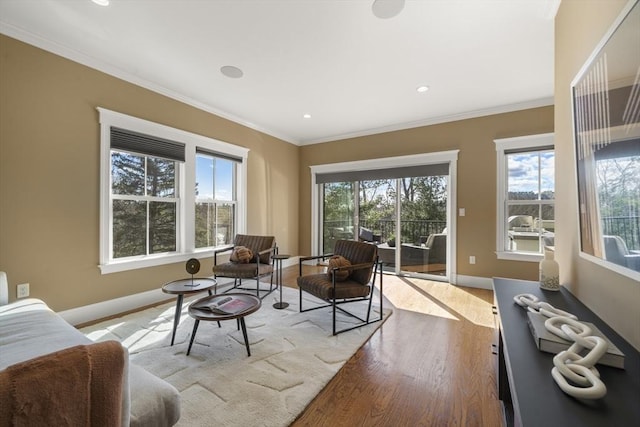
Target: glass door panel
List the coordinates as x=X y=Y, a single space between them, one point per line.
x=377 y=217
x=338 y=213
x=423 y=221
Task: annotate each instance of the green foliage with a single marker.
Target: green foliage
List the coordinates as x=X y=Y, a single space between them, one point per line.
x=142 y=226
x=423 y=204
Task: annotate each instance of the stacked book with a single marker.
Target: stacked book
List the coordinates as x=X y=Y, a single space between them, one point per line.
x=551 y=343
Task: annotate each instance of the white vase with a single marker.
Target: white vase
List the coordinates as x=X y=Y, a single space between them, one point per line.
x=549 y=272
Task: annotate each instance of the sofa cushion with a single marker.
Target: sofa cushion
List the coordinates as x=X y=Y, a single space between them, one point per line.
x=158 y=409
x=29 y=328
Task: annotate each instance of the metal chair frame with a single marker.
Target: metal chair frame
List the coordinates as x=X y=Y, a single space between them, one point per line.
x=335 y=303
x=237 y=281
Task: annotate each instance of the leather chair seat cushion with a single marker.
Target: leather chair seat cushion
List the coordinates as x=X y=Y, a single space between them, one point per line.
x=321 y=286
x=242 y=271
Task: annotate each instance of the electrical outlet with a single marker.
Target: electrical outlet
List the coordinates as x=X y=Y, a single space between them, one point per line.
x=23 y=290
x=472 y=259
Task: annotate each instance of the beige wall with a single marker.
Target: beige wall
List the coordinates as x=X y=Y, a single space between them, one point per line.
x=476 y=178
x=49 y=175
x=580 y=25
x=49 y=159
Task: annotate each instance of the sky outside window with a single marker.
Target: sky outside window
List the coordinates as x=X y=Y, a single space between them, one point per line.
x=531 y=172
x=214 y=178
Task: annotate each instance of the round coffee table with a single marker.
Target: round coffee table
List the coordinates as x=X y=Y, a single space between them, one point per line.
x=217 y=308
x=184 y=287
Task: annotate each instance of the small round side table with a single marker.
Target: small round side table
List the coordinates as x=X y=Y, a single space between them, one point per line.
x=184 y=287
x=278 y=259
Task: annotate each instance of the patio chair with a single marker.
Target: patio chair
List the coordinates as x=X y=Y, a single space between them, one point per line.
x=616 y=251
x=358 y=286
x=257 y=266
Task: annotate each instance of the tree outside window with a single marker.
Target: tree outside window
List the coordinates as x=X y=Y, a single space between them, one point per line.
x=145 y=204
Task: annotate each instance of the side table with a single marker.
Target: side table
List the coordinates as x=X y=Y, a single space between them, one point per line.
x=184 y=287
x=278 y=259
x=243 y=305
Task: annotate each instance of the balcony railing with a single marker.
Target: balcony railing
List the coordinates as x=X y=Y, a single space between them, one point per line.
x=411 y=230
x=627 y=227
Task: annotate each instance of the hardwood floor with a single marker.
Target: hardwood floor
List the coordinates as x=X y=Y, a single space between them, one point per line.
x=429 y=364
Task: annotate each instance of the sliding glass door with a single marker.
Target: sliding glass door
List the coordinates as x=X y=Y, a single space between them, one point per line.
x=405 y=216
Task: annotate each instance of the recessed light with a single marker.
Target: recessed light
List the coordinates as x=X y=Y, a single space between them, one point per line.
x=231 y=71
x=306 y=115
x=101 y=2
x=385 y=9
x=422 y=89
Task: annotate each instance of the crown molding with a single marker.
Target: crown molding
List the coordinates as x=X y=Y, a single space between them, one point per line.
x=542 y=102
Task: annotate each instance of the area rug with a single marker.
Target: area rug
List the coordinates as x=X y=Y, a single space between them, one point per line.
x=293 y=356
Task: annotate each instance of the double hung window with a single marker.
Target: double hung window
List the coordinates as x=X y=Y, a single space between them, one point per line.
x=215 y=200
x=526 y=193
x=166 y=194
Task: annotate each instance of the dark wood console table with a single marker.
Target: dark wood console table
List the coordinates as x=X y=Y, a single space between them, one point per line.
x=529 y=394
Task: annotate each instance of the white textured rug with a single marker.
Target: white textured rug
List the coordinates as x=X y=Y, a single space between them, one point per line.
x=293 y=356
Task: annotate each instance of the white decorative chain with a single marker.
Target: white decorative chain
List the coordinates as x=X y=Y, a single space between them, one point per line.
x=569 y=364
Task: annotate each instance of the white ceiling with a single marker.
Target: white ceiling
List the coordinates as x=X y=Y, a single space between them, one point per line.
x=356 y=74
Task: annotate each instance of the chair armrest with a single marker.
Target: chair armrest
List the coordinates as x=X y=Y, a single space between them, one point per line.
x=633 y=261
x=360 y=266
x=226 y=248
x=221 y=250
x=264 y=252
x=309 y=258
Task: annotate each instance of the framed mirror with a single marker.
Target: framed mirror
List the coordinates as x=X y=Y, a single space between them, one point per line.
x=606 y=120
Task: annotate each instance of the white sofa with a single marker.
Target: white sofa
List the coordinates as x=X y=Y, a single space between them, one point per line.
x=29 y=329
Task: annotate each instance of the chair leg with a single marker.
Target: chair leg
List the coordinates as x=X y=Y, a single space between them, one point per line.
x=380 y=291
x=334 y=315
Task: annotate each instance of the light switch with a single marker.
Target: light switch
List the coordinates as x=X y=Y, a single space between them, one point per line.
x=461 y=212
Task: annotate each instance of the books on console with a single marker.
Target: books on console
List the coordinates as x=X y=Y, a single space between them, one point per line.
x=551 y=343
x=224 y=306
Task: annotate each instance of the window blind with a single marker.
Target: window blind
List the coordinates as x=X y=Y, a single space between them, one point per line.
x=218 y=155
x=127 y=140
x=438 y=169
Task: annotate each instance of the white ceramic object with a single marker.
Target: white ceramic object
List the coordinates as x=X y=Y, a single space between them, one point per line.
x=594 y=390
x=549 y=272
x=570 y=364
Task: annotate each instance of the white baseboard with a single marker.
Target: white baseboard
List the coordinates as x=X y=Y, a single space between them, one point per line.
x=474 y=282
x=100 y=310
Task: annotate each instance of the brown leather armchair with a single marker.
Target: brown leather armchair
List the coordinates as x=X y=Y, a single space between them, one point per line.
x=260 y=266
x=358 y=286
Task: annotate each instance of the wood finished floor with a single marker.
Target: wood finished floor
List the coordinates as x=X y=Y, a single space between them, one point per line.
x=429 y=364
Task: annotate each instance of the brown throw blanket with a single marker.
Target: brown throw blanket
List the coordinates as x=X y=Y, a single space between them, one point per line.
x=77 y=386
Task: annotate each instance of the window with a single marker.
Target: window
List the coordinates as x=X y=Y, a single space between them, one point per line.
x=144 y=204
x=166 y=195
x=215 y=200
x=526 y=193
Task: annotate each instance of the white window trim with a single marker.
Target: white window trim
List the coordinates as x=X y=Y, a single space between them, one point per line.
x=186 y=178
x=450 y=157
x=532 y=142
